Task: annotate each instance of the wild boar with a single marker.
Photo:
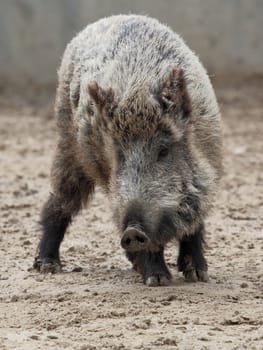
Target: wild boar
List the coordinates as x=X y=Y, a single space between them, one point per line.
x=136 y=116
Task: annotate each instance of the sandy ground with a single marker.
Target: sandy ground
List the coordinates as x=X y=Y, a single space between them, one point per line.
x=105 y=305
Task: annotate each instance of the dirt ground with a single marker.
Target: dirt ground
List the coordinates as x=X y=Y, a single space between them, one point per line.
x=98 y=302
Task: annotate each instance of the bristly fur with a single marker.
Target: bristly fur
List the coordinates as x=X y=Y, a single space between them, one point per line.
x=137 y=116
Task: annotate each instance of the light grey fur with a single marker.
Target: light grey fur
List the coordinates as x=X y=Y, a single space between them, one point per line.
x=149 y=51
x=128 y=53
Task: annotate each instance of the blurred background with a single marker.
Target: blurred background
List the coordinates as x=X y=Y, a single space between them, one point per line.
x=226 y=34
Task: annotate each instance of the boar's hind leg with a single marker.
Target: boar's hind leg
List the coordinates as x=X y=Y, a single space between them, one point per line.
x=71 y=190
x=191 y=260
x=152 y=267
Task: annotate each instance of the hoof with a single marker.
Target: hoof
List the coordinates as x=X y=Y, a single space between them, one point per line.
x=158 y=280
x=193 y=275
x=202 y=276
x=50 y=268
x=190 y=275
x=192 y=272
x=47 y=265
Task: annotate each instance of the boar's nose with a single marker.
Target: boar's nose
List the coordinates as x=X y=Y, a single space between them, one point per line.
x=134 y=239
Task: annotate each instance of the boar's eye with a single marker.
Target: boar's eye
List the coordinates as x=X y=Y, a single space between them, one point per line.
x=163 y=153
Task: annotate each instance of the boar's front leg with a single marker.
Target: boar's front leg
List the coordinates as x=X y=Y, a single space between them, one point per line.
x=71 y=190
x=152 y=266
x=191 y=260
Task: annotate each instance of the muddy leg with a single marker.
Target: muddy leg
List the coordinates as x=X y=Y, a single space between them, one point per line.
x=151 y=266
x=191 y=260
x=71 y=190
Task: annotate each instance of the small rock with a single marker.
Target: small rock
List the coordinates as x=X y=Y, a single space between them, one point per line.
x=27 y=242
x=77 y=269
x=196 y=321
x=171 y=297
x=50 y=326
x=34 y=337
x=144 y=324
x=244 y=285
x=40 y=278
x=42 y=175
x=88 y=347
x=52 y=336
x=203 y=338
x=217 y=329
x=14 y=299
x=71 y=249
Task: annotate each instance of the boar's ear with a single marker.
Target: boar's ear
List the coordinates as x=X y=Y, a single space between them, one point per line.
x=103 y=98
x=173 y=96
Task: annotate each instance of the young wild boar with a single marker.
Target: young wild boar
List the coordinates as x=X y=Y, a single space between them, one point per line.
x=137 y=116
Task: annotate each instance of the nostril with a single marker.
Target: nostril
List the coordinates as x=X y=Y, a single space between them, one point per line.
x=140 y=239
x=127 y=241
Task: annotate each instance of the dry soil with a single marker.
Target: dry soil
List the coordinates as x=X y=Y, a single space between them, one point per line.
x=99 y=302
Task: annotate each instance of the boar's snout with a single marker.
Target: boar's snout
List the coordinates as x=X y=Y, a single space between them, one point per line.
x=134 y=239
